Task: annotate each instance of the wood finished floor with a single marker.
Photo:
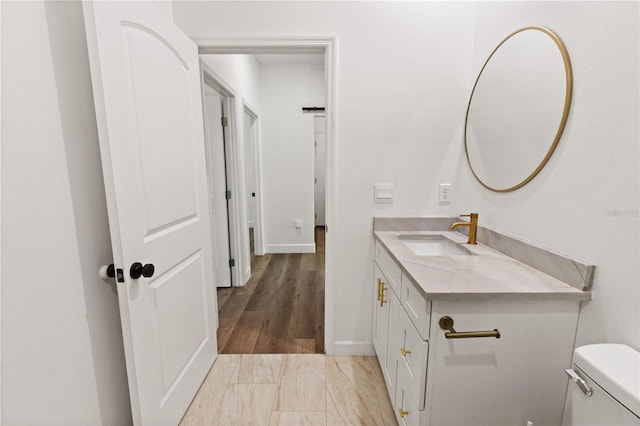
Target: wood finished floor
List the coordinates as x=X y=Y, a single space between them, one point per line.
x=280 y=310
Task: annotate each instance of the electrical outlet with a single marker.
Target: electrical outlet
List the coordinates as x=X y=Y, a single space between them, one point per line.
x=445 y=193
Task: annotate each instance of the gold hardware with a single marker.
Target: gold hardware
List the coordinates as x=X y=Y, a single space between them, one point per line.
x=472 y=224
x=379 y=284
x=402 y=413
x=446 y=323
x=404 y=352
x=382 y=290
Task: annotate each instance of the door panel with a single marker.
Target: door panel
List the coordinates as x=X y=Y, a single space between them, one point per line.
x=181 y=314
x=169 y=193
x=146 y=82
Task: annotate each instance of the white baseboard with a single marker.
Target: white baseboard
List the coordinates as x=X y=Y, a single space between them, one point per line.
x=350 y=347
x=290 y=248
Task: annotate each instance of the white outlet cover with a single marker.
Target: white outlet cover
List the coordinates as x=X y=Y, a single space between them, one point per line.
x=445 y=194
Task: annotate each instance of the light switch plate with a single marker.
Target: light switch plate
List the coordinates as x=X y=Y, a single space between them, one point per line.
x=383 y=193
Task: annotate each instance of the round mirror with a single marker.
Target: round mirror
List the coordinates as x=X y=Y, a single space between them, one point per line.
x=518 y=109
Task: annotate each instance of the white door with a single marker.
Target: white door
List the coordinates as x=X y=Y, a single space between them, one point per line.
x=148 y=99
x=320 y=167
x=217 y=187
x=249 y=164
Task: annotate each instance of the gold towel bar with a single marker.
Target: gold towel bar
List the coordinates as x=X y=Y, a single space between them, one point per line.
x=446 y=323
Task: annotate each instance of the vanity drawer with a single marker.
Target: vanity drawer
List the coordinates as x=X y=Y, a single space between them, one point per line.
x=389 y=267
x=418 y=308
x=411 y=352
x=405 y=408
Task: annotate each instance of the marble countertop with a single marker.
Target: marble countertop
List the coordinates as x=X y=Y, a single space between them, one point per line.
x=486 y=275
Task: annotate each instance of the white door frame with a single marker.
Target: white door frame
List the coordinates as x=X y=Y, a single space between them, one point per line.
x=326 y=46
x=237 y=209
x=258 y=234
x=315 y=174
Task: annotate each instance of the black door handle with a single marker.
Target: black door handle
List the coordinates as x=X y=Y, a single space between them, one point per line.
x=148 y=270
x=138 y=270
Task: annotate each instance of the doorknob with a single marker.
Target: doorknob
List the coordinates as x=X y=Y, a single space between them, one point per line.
x=138 y=270
x=148 y=270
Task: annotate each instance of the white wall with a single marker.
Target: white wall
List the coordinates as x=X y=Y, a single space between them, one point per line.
x=287 y=153
x=403 y=73
x=585 y=201
x=62 y=354
x=240 y=72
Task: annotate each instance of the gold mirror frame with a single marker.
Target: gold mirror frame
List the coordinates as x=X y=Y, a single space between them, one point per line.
x=565 y=112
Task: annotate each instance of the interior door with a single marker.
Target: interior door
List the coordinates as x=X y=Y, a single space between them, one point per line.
x=320 y=162
x=217 y=187
x=146 y=84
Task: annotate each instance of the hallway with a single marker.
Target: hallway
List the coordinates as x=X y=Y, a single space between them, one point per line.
x=280 y=310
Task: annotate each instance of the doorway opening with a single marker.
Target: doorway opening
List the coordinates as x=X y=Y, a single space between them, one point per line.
x=252 y=175
x=264 y=318
x=227 y=183
x=215 y=148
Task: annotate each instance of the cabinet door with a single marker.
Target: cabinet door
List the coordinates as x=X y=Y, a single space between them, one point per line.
x=385 y=313
x=380 y=319
x=506 y=381
x=389 y=266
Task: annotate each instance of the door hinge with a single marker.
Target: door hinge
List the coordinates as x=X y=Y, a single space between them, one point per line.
x=232 y=262
x=227 y=194
x=225 y=121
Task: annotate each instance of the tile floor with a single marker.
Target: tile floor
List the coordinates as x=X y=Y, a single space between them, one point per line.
x=292 y=389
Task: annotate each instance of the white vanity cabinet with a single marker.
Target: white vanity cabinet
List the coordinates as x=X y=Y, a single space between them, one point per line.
x=434 y=380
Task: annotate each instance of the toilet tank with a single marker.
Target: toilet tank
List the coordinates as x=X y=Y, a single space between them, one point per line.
x=605 y=386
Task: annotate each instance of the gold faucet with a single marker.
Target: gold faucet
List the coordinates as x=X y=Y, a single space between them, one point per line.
x=473 y=226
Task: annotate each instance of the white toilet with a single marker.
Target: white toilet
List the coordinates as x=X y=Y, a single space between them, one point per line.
x=605 y=388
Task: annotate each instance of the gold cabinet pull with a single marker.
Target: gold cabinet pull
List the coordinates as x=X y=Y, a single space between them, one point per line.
x=403 y=413
x=446 y=323
x=404 y=352
x=379 y=284
x=382 y=290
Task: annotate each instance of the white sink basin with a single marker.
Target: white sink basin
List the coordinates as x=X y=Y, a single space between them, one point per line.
x=433 y=245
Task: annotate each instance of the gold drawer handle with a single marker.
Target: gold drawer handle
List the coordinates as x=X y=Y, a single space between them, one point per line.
x=403 y=413
x=404 y=352
x=446 y=323
x=381 y=290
